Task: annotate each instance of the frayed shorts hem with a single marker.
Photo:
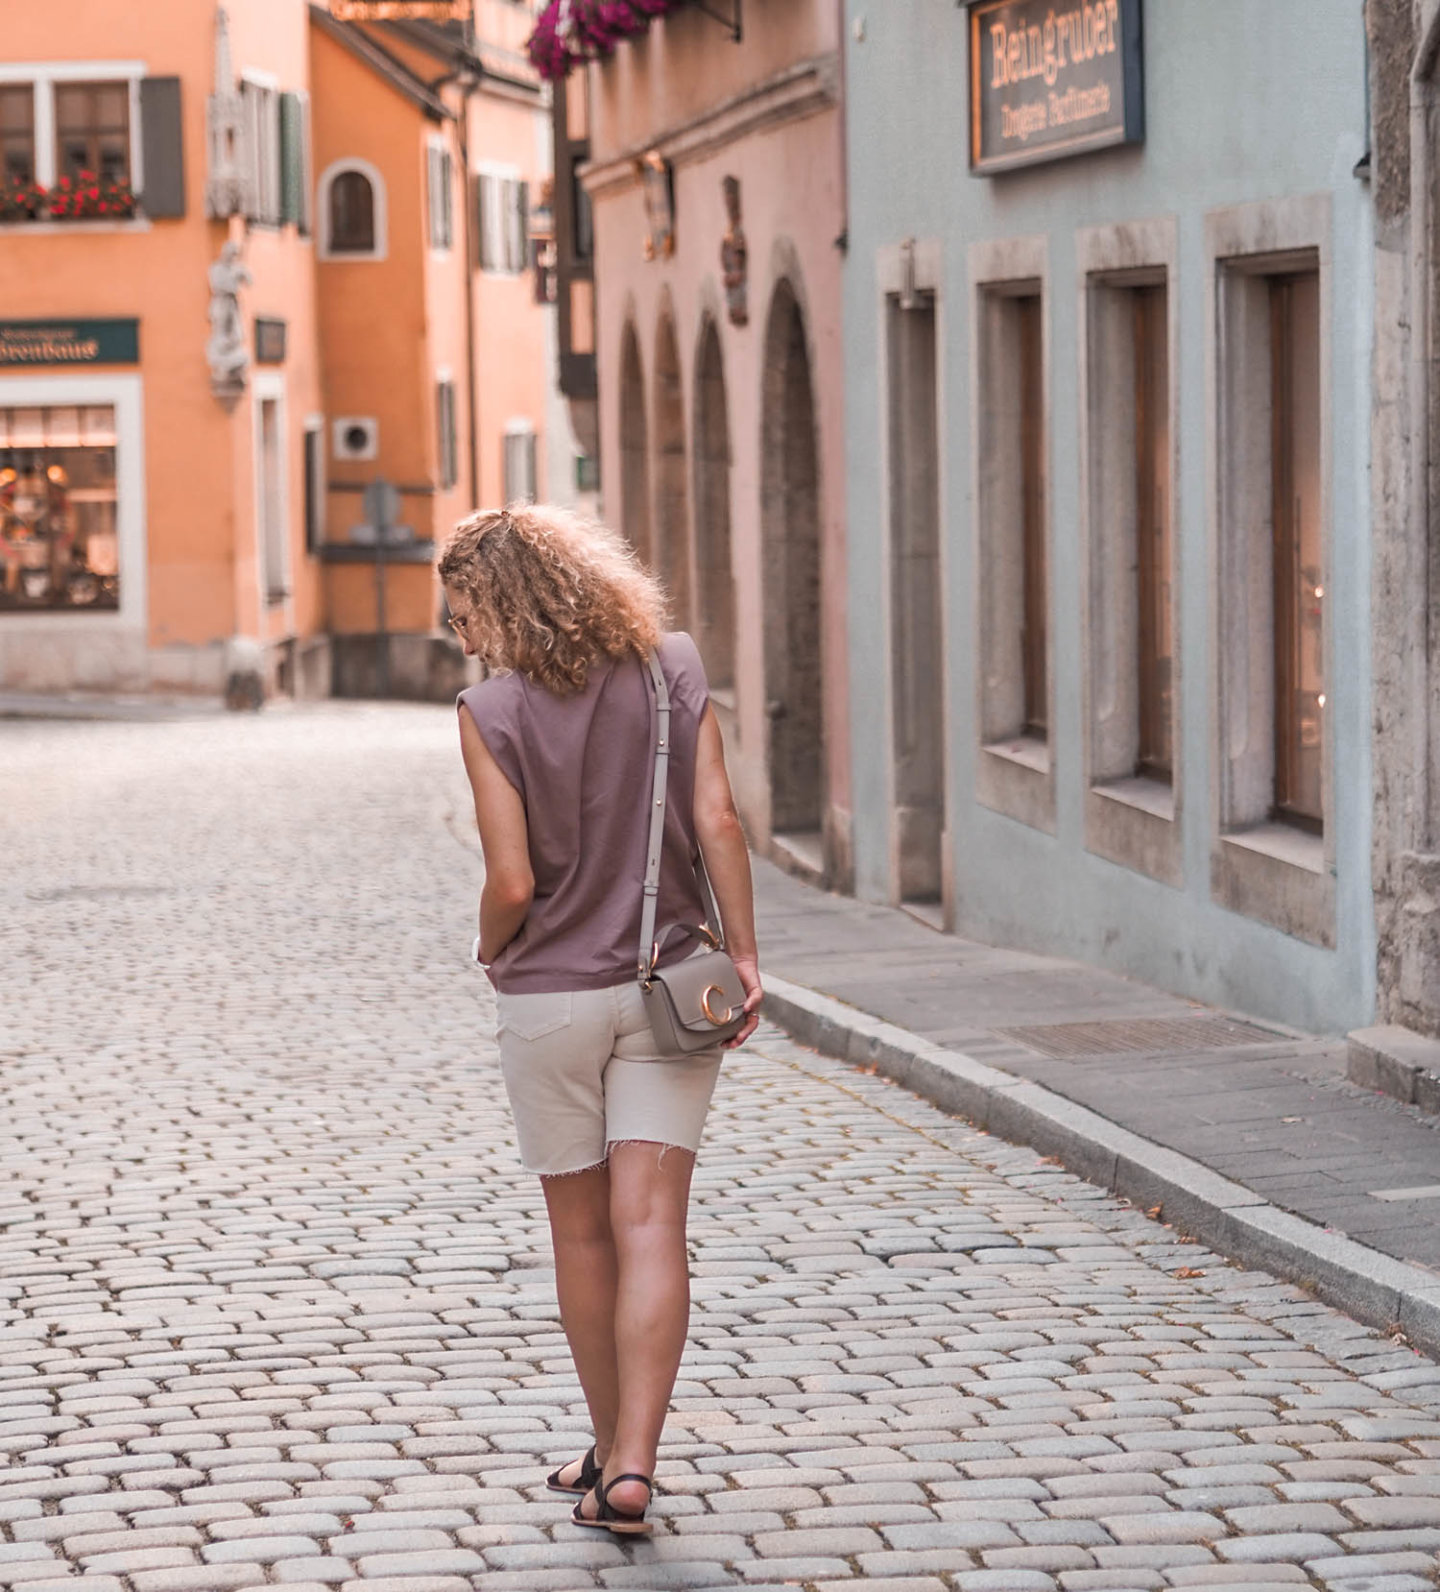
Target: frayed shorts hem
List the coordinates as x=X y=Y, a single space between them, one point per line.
x=595 y=1166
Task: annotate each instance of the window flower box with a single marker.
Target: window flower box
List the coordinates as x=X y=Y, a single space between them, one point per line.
x=84 y=197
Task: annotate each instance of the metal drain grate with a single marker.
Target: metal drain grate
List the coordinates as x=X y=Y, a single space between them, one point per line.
x=1063 y=1040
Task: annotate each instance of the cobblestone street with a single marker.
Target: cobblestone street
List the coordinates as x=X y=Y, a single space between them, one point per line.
x=275 y=1297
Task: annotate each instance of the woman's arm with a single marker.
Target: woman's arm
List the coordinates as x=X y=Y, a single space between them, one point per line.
x=727 y=860
x=505 y=840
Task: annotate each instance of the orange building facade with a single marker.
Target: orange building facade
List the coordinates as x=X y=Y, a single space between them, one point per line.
x=251 y=260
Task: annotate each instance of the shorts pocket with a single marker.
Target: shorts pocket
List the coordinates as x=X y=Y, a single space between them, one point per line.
x=531 y=1017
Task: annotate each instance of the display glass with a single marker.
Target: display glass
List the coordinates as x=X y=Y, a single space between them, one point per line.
x=58 y=542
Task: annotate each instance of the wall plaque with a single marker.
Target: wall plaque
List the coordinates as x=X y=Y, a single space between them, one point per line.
x=269 y=341
x=62 y=342
x=1051 y=78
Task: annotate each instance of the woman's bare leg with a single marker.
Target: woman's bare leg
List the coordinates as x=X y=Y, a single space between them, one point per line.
x=585 y=1281
x=649 y=1193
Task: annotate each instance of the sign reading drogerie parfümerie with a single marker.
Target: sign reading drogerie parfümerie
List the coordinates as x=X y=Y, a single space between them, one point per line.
x=1051 y=78
x=399 y=10
x=61 y=342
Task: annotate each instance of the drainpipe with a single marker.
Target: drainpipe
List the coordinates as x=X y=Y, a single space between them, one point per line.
x=843 y=240
x=1421 y=178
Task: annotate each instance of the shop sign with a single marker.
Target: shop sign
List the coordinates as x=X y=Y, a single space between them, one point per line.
x=107 y=342
x=399 y=10
x=1050 y=78
x=269 y=341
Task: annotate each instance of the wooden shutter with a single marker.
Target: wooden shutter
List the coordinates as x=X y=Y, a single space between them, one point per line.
x=522 y=225
x=162 y=146
x=292 y=159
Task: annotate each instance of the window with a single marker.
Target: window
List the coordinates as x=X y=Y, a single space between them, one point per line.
x=1014 y=773
x=261 y=109
x=445 y=431
x=270 y=501
x=502 y=224
x=1155 y=644
x=352 y=212
x=17 y=132
x=1034 y=630
x=1298 y=585
x=1273 y=854
x=92 y=130
x=58 y=533
x=519 y=462
x=440 y=183
x=314 y=483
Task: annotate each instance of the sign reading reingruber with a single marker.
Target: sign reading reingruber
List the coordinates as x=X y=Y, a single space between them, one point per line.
x=88 y=342
x=1050 y=78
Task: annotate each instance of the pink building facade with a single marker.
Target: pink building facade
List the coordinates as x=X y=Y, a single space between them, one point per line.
x=715 y=180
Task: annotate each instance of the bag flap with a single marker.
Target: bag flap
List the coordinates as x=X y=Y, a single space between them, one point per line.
x=700 y=980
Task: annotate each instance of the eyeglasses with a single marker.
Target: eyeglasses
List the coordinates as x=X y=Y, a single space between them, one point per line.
x=457 y=623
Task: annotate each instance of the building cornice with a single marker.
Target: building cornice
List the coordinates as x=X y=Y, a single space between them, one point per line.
x=804 y=89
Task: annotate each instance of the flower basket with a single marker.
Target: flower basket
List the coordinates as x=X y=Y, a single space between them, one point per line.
x=20 y=200
x=89 y=197
x=568 y=32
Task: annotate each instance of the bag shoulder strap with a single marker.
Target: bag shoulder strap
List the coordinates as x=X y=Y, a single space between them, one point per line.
x=655 y=842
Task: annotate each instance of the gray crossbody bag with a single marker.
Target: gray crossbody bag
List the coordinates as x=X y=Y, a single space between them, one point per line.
x=698 y=1003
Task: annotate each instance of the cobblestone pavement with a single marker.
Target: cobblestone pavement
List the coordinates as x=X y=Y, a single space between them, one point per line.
x=274 y=1297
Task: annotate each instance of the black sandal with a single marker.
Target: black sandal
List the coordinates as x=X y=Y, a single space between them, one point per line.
x=618 y=1522
x=590 y=1474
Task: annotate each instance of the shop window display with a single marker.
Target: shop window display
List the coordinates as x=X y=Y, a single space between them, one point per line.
x=58 y=546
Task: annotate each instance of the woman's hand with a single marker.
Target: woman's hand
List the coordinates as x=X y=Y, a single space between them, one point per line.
x=748 y=967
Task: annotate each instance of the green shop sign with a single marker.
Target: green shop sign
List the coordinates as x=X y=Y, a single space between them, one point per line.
x=1050 y=78
x=107 y=342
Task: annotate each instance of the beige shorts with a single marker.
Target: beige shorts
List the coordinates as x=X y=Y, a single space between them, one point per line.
x=582 y=1074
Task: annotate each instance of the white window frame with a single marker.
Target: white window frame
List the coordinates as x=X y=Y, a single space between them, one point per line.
x=1134 y=822
x=1014 y=775
x=269 y=387
x=126 y=395
x=439 y=195
x=366 y=169
x=42 y=76
x=492 y=171
x=1269 y=871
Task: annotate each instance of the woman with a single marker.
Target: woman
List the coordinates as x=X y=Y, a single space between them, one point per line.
x=559 y=746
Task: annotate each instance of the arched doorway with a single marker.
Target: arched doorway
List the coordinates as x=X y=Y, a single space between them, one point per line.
x=672 y=519
x=790 y=536
x=714 y=576
x=634 y=447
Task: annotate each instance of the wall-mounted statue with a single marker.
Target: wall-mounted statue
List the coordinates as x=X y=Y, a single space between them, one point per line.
x=225 y=348
x=733 y=252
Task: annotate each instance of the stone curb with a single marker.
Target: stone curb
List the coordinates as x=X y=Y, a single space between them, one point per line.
x=1397 y=1062
x=1372 y=1287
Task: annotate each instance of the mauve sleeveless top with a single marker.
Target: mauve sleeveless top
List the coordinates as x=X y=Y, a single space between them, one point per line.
x=583 y=766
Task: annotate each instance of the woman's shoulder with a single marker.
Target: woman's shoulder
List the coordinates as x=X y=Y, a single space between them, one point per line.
x=680 y=658
x=492 y=699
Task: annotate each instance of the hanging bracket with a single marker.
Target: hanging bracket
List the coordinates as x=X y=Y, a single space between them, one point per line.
x=731 y=22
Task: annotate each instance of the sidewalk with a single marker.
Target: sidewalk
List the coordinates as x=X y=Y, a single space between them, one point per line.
x=1267 y=1109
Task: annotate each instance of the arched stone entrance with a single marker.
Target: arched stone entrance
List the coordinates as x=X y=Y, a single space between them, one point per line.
x=634 y=447
x=790 y=537
x=672 y=519
x=714 y=575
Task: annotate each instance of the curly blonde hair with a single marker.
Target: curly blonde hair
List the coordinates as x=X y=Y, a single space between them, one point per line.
x=550 y=593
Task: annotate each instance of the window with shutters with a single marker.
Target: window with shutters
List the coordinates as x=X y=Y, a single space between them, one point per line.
x=519 y=462
x=446 y=432
x=440 y=183
x=262 y=136
x=352 y=212
x=502 y=225
x=295 y=161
